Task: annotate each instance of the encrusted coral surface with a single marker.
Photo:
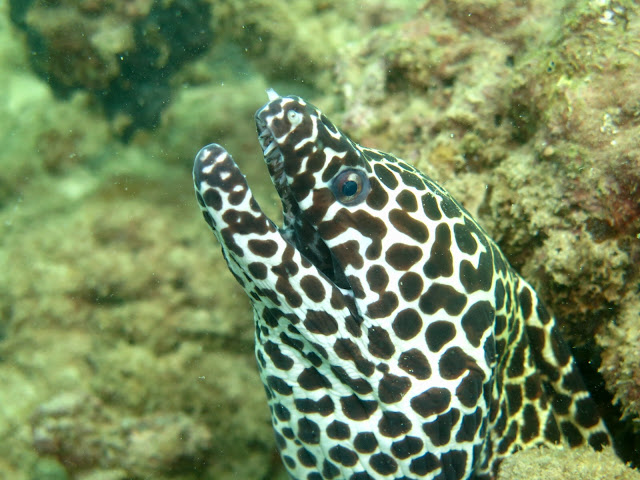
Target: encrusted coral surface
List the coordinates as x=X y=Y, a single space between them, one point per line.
x=121 y=329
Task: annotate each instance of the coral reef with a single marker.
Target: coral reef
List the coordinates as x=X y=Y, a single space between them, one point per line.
x=124 y=53
x=575 y=464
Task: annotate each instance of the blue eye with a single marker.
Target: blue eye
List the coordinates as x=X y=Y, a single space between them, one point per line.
x=350 y=187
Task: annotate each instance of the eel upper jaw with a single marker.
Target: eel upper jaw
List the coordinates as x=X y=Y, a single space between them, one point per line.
x=296 y=229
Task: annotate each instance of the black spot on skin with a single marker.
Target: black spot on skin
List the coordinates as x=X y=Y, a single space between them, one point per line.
x=430 y=206
x=210 y=198
x=402 y=257
x=348 y=254
x=474 y=279
x=393 y=388
x=394 y=424
x=291 y=342
x=361 y=476
x=280 y=441
x=385 y=176
x=380 y=344
x=405 y=223
x=257 y=270
x=356 y=286
x=306 y=458
x=440 y=263
x=338 y=430
x=288 y=267
x=377 y=278
x=450 y=208
x=560 y=349
x=384 y=306
x=319 y=349
x=454 y=362
x=347 y=349
x=469 y=426
x=377 y=197
x=320 y=323
x=382 y=367
x=543 y=313
x=314 y=359
x=357 y=409
x=308 y=431
x=282 y=412
x=406 y=447
x=571 y=434
x=313 y=288
x=442 y=296
x=290 y=294
x=279 y=360
x=358 y=385
x=572 y=381
x=533 y=387
x=500 y=325
x=263 y=248
x=262 y=363
x=343 y=455
x=279 y=385
x=597 y=440
x=288 y=432
x=514 y=398
x=439 y=431
x=465 y=241
x=432 y=401
x=383 y=464
x=324 y=405
x=499 y=292
x=407 y=201
x=525 y=303
x=310 y=379
x=365 y=442
x=531 y=424
x=470 y=388
x=501 y=422
x=586 y=412
x=411 y=179
x=536 y=338
x=551 y=430
x=517 y=361
x=410 y=286
x=477 y=320
x=454 y=464
x=329 y=470
x=489 y=349
x=415 y=363
x=508 y=438
x=438 y=334
x=407 y=324
x=424 y=464
x=291 y=463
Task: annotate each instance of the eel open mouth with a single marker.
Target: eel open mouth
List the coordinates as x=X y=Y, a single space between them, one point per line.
x=296 y=228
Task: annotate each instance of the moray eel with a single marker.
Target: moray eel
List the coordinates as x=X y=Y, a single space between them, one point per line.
x=393 y=339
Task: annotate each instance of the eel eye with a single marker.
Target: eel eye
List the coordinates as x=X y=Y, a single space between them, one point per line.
x=350 y=187
x=294 y=118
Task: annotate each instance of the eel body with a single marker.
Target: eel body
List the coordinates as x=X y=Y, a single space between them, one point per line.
x=393 y=338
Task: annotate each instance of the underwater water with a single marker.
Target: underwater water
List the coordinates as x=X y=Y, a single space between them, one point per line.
x=126 y=346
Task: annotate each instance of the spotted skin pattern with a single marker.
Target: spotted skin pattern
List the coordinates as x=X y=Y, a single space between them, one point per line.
x=393 y=339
